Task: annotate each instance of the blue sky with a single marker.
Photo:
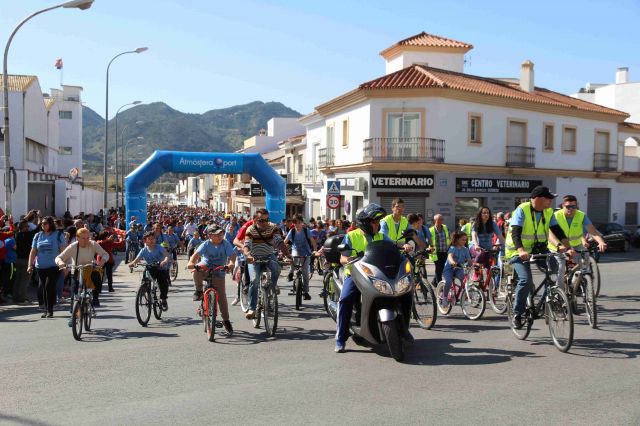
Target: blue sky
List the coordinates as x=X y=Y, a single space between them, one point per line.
x=212 y=54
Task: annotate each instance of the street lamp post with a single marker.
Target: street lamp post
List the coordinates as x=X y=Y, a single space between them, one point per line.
x=78 y=4
x=126 y=146
x=106 y=123
x=123 y=167
x=117 y=112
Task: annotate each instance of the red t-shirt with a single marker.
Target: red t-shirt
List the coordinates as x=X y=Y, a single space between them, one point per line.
x=243 y=230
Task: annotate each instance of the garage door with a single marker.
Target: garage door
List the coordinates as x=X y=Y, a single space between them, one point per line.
x=411 y=204
x=598 y=204
x=41 y=196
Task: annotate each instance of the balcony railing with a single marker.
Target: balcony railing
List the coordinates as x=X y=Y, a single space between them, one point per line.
x=605 y=162
x=312 y=174
x=325 y=157
x=521 y=156
x=404 y=150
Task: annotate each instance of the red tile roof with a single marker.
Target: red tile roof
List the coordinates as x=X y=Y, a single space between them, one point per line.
x=423 y=77
x=635 y=126
x=19 y=83
x=430 y=40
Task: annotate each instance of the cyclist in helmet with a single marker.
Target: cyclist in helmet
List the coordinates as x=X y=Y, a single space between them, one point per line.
x=368 y=229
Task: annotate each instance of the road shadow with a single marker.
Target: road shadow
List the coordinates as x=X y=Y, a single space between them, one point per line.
x=16 y=313
x=604 y=348
x=306 y=313
x=468 y=327
x=616 y=319
x=19 y=420
x=108 y=334
x=241 y=337
x=450 y=352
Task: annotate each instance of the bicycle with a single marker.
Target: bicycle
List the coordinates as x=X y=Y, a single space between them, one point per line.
x=471 y=297
x=132 y=251
x=424 y=300
x=147 y=295
x=331 y=285
x=298 y=284
x=594 y=256
x=208 y=309
x=553 y=304
x=173 y=270
x=243 y=286
x=82 y=310
x=579 y=281
x=267 y=305
x=493 y=285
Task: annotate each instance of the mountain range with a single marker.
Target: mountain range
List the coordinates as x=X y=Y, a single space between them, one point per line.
x=164 y=128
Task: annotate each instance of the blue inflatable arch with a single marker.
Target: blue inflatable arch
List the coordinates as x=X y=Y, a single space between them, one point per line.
x=161 y=162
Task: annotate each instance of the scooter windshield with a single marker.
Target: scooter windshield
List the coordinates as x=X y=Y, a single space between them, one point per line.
x=385 y=255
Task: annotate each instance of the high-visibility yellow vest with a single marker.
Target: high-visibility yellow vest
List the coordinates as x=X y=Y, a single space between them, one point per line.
x=391 y=226
x=466 y=228
x=434 y=255
x=574 y=232
x=529 y=230
x=359 y=243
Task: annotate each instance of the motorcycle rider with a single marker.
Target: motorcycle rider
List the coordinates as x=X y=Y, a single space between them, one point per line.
x=368 y=229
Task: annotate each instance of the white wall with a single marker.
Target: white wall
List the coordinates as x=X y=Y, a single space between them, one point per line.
x=443 y=60
x=359 y=130
x=284 y=127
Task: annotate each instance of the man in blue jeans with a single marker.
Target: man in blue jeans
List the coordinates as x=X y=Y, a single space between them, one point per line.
x=261 y=241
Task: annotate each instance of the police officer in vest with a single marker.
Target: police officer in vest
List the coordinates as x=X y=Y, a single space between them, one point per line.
x=440 y=242
x=528 y=233
x=368 y=223
x=393 y=225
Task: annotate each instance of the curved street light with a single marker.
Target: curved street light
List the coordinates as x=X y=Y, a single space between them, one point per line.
x=126 y=146
x=106 y=123
x=123 y=170
x=77 y=4
x=118 y=112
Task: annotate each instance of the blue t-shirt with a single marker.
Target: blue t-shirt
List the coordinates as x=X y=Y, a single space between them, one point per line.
x=485 y=240
x=518 y=218
x=10 y=249
x=48 y=247
x=156 y=255
x=214 y=255
x=172 y=240
x=231 y=232
x=460 y=254
x=300 y=244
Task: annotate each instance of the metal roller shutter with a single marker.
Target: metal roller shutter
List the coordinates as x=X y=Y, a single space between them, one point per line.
x=598 y=204
x=411 y=204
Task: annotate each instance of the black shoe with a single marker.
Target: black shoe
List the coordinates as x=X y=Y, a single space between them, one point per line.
x=517 y=322
x=290 y=276
x=50 y=315
x=197 y=295
x=165 y=306
x=96 y=303
x=111 y=290
x=307 y=296
x=322 y=294
x=227 y=326
x=44 y=315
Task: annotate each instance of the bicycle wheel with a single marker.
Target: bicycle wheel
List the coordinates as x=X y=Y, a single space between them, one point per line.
x=424 y=304
x=143 y=305
x=174 y=270
x=560 y=319
x=87 y=315
x=243 y=293
x=211 y=314
x=472 y=302
x=331 y=295
x=595 y=275
x=523 y=332
x=439 y=297
x=589 y=299
x=270 y=311
x=297 y=284
x=157 y=307
x=497 y=295
x=77 y=317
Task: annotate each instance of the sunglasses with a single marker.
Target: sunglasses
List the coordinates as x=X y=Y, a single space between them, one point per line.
x=263 y=220
x=571 y=207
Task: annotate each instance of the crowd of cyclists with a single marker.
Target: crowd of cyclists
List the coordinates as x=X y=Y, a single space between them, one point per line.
x=37 y=249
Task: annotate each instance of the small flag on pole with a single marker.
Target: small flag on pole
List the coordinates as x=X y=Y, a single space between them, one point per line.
x=59 y=63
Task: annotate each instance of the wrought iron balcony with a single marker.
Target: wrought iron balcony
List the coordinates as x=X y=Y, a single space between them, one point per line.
x=325 y=157
x=521 y=156
x=417 y=150
x=605 y=162
x=312 y=173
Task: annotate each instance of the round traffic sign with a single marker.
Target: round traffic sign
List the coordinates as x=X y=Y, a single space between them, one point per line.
x=333 y=201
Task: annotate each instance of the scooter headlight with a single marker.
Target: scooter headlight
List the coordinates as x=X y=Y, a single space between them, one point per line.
x=403 y=285
x=382 y=286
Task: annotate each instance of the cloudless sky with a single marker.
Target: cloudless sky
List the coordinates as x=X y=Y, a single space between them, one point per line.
x=209 y=54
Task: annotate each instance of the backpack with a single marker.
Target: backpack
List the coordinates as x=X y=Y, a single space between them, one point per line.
x=306 y=235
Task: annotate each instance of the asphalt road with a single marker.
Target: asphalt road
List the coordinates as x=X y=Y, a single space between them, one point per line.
x=459 y=372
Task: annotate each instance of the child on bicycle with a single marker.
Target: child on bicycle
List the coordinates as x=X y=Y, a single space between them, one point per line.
x=457 y=255
x=154 y=253
x=214 y=252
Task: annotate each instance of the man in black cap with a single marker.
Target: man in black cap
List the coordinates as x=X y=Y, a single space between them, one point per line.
x=528 y=233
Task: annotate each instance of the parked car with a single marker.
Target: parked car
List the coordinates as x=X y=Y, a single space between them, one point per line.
x=616 y=236
x=636 y=238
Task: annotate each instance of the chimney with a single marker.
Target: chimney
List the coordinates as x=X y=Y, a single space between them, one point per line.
x=526 y=76
x=622 y=75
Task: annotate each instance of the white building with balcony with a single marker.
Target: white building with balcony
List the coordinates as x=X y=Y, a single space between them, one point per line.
x=449 y=142
x=46 y=143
